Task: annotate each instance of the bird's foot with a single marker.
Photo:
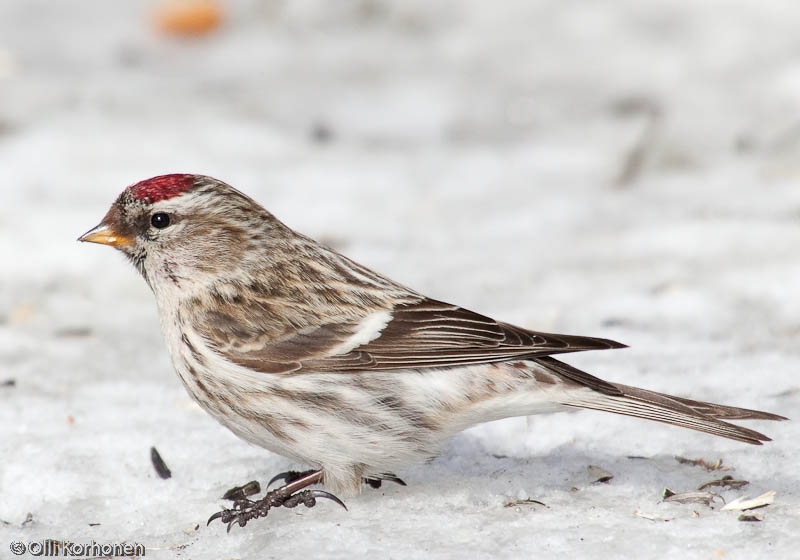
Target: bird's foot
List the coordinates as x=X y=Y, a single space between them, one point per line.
x=245 y=510
x=289 y=495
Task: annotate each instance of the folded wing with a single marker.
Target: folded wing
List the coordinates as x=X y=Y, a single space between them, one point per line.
x=427 y=333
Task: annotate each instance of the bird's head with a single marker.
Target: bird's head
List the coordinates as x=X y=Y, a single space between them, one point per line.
x=182 y=228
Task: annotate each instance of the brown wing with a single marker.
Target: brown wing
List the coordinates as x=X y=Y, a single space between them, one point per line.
x=424 y=334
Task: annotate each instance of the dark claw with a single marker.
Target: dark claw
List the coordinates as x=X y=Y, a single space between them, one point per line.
x=376 y=482
x=289 y=476
x=284 y=476
x=394 y=478
x=241 y=492
x=328 y=495
x=226 y=515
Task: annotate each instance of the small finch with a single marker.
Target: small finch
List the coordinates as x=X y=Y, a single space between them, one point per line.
x=304 y=352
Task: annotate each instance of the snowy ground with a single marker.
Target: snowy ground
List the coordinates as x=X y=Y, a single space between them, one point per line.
x=479 y=154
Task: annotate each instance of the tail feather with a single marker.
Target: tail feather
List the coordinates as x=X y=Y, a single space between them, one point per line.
x=721 y=411
x=678 y=411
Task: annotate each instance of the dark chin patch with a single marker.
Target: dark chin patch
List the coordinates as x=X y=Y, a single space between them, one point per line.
x=137 y=258
x=162 y=187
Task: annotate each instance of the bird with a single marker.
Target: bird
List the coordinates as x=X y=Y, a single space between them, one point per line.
x=300 y=350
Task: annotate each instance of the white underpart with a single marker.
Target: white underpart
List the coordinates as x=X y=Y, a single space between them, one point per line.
x=369 y=329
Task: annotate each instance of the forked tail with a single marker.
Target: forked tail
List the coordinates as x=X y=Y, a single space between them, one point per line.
x=641 y=403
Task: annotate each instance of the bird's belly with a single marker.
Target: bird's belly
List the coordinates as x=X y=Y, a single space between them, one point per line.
x=354 y=425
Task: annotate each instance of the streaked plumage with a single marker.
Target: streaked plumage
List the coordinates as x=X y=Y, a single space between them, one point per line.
x=298 y=349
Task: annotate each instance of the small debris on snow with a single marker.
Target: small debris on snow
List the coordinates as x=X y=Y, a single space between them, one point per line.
x=189 y=18
x=526 y=502
x=708 y=465
x=321 y=133
x=158 y=463
x=599 y=474
x=651 y=517
x=22 y=314
x=751 y=517
x=72 y=332
x=726 y=481
x=639 y=153
x=786 y=393
x=744 y=503
x=705 y=498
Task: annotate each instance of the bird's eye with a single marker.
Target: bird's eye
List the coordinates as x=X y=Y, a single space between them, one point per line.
x=159 y=220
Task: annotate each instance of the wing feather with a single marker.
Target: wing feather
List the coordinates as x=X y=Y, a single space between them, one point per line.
x=427 y=333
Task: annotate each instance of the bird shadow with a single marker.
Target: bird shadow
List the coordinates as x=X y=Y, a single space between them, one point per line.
x=467 y=463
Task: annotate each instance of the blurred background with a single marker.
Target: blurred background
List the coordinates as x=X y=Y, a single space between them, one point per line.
x=620 y=169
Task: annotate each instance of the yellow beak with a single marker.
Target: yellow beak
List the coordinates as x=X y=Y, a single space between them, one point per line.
x=104 y=235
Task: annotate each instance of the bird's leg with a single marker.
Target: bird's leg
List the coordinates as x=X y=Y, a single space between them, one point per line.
x=289 y=495
x=289 y=476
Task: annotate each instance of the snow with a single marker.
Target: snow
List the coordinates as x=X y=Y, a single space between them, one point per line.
x=473 y=152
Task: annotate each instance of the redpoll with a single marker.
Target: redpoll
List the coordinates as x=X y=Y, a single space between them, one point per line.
x=304 y=352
